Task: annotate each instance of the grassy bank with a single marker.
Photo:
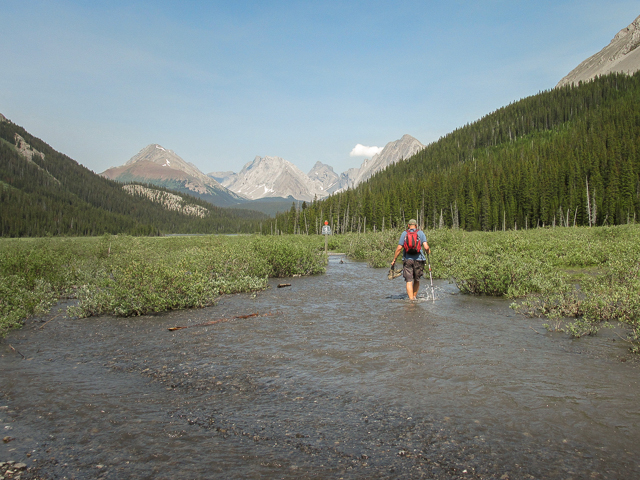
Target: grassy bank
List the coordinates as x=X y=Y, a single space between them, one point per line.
x=128 y=276
x=579 y=278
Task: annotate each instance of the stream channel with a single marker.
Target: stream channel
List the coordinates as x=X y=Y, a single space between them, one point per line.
x=340 y=376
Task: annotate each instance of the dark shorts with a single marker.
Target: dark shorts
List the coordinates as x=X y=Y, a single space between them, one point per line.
x=412 y=269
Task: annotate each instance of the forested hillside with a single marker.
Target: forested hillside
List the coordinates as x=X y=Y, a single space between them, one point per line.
x=569 y=156
x=51 y=194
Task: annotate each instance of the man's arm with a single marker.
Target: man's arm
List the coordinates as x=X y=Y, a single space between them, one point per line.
x=425 y=245
x=398 y=250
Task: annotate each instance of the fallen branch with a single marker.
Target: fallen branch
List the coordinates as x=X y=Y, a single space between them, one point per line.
x=11 y=347
x=535 y=330
x=280 y=285
x=624 y=339
x=221 y=320
x=45 y=323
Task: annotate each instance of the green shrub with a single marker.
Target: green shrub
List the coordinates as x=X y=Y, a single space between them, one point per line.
x=289 y=255
x=142 y=288
x=507 y=275
x=192 y=272
x=123 y=275
x=19 y=300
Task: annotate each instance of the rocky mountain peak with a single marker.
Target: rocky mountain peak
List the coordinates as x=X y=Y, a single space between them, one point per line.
x=621 y=55
x=161 y=156
x=324 y=173
x=275 y=177
x=223 y=178
x=163 y=167
x=319 y=166
x=168 y=160
x=393 y=152
x=631 y=35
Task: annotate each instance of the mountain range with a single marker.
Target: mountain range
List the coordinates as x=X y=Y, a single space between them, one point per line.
x=565 y=157
x=262 y=178
x=273 y=177
x=276 y=177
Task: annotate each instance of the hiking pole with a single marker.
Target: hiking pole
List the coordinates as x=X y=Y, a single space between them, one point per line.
x=431 y=278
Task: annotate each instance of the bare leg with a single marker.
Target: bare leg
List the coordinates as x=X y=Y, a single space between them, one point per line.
x=410 y=290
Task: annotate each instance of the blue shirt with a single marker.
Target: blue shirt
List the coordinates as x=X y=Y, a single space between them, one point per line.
x=415 y=256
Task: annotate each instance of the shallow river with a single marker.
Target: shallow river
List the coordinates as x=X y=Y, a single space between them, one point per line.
x=338 y=377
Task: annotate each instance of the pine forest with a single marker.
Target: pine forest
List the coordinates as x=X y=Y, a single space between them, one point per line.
x=569 y=156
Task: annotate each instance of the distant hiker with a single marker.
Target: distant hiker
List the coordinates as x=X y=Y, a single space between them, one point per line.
x=412 y=241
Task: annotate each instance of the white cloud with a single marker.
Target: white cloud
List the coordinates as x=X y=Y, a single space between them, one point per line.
x=362 y=151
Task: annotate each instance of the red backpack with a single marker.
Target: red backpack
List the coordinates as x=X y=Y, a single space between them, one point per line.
x=412 y=242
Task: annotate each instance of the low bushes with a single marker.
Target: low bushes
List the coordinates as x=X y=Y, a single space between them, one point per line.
x=127 y=276
x=298 y=255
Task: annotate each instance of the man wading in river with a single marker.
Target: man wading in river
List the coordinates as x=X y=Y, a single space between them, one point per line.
x=412 y=241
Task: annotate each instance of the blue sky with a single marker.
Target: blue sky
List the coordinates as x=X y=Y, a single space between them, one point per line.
x=222 y=82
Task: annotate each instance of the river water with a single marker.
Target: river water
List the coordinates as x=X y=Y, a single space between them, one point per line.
x=339 y=376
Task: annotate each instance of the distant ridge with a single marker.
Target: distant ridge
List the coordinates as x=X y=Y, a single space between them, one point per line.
x=621 y=55
x=44 y=192
x=324 y=174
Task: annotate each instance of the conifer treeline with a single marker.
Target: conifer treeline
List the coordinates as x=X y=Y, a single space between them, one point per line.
x=54 y=195
x=569 y=156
